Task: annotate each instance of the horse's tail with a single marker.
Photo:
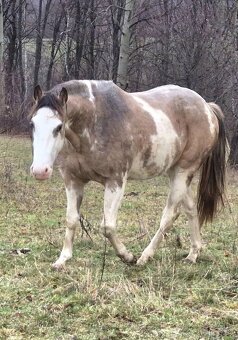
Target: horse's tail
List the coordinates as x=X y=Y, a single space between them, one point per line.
x=212 y=180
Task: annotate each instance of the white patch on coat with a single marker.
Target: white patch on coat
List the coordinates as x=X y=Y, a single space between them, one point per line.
x=68 y=124
x=46 y=145
x=88 y=83
x=86 y=134
x=209 y=114
x=112 y=200
x=163 y=147
x=94 y=146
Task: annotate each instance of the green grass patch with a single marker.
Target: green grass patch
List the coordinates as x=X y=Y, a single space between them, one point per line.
x=167 y=299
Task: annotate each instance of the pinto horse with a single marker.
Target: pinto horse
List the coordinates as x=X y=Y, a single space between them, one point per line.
x=107 y=135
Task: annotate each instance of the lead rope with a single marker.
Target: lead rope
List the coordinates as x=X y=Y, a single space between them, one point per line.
x=86 y=227
x=103 y=256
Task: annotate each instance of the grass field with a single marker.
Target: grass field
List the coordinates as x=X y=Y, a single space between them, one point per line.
x=97 y=296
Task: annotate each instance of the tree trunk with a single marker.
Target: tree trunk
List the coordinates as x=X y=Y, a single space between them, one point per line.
x=117 y=16
x=68 y=44
x=2 y=97
x=38 y=45
x=233 y=157
x=20 y=51
x=78 y=48
x=91 y=69
x=55 y=45
x=166 y=42
x=80 y=28
x=39 y=38
x=122 y=79
x=11 y=57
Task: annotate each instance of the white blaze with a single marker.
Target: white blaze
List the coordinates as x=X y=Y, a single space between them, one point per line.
x=46 y=143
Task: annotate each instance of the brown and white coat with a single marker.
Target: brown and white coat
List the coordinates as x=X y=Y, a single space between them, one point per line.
x=102 y=133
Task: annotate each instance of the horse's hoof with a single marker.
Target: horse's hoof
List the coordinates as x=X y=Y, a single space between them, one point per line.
x=189 y=260
x=128 y=259
x=57 y=266
x=132 y=261
x=142 y=261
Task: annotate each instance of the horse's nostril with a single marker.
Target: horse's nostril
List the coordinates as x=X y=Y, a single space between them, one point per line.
x=42 y=172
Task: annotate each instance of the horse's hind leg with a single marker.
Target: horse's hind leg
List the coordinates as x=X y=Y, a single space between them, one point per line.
x=74 y=194
x=191 y=212
x=112 y=200
x=178 y=189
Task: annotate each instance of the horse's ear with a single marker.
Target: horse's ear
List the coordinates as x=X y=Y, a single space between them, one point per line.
x=63 y=95
x=37 y=93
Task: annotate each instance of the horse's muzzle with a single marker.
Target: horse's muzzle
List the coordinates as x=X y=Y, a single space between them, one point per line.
x=41 y=173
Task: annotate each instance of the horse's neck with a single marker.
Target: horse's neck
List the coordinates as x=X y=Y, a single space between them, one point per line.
x=72 y=138
x=80 y=134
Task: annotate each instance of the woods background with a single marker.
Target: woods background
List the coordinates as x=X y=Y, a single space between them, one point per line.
x=139 y=44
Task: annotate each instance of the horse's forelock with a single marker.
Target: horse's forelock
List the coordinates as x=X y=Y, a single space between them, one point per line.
x=51 y=101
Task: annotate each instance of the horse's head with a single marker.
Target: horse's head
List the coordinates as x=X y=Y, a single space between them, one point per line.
x=48 y=131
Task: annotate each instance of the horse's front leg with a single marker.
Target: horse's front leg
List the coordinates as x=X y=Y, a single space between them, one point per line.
x=112 y=200
x=74 y=194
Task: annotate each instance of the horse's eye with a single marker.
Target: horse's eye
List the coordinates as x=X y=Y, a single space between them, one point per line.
x=58 y=128
x=31 y=125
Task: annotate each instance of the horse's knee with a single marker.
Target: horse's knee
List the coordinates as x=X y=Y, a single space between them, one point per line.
x=191 y=213
x=190 y=207
x=107 y=231
x=72 y=221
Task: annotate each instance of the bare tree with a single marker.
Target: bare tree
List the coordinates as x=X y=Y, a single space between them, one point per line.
x=22 y=82
x=2 y=100
x=91 y=57
x=41 y=25
x=117 y=12
x=55 y=43
x=147 y=42
x=80 y=27
x=11 y=51
x=122 y=76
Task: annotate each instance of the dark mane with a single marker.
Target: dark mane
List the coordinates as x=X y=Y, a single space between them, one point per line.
x=51 y=101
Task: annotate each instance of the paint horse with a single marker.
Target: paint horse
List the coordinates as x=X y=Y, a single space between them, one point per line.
x=104 y=134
